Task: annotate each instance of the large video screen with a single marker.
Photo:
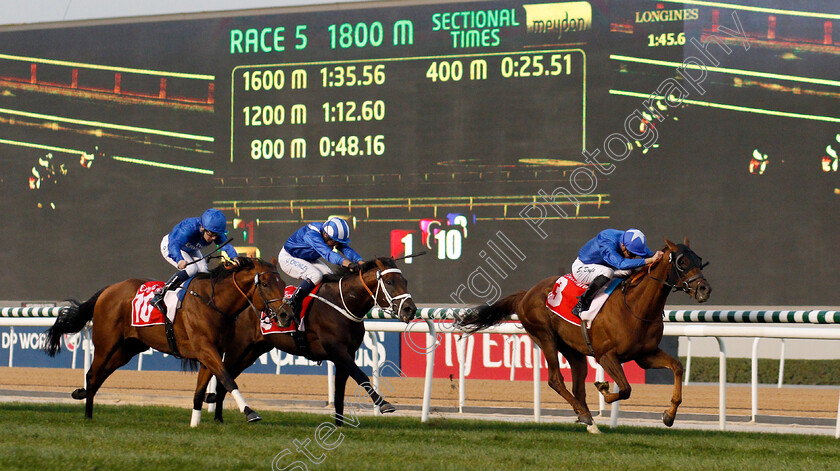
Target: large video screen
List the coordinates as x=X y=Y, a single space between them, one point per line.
x=498 y=137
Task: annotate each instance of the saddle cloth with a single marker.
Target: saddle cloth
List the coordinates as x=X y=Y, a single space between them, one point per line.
x=268 y=326
x=144 y=314
x=564 y=297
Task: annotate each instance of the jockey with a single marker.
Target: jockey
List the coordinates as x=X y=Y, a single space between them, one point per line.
x=301 y=254
x=182 y=249
x=610 y=253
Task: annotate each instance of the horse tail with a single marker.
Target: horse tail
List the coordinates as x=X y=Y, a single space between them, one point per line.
x=488 y=315
x=70 y=320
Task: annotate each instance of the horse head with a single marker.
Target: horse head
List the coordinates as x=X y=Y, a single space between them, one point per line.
x=686 y=271
x=263 y=288
x=391 y=287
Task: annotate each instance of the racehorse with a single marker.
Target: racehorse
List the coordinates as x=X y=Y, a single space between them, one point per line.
x=333 y=326
x=207 y=315
x=629 y=327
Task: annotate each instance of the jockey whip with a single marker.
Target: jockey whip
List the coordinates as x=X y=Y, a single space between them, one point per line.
x=230 y=239
x=411 y=256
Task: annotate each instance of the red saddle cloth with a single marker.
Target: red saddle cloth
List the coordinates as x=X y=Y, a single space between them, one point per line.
x=142 y=313
x=564 y=297
x=268 y=326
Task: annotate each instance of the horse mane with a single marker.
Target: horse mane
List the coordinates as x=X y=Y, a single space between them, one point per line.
x=223 y=271
x=342 y=272
x=644 y=270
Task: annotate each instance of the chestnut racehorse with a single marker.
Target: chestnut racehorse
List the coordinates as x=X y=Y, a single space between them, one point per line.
x=207 y=315
x=628 y=328
x=334 y=330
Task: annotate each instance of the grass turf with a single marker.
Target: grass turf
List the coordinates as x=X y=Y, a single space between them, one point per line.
x=739 y=370
x=43 y=437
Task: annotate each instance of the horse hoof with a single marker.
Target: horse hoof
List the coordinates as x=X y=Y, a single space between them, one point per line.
x=593 y=429
x=667 y=419
x=210 y=398
x=602 y=387
x=585 y=419
x=79 y=394
x=386 y=408
x=219 y=420
x=251 y=416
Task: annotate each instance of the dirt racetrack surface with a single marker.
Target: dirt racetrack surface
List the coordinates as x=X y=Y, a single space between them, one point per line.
x=309 y=393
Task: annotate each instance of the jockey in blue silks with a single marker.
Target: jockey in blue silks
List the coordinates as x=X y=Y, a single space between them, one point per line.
x=611 y=253
x=183 y=245
x=301 y=255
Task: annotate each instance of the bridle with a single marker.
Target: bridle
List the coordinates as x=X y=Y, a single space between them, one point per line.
x=380 y=287
x=269 y=310
x=679 y=275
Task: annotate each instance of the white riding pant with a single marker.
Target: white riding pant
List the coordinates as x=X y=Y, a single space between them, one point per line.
x=192 y=270
x=584 y=273
x=300 y=269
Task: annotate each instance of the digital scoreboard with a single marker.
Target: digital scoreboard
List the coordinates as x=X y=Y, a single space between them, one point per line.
x=353 y=115
x=497 y=136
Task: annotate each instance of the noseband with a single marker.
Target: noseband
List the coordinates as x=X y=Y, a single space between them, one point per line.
x=677 y=273
x=380 y=285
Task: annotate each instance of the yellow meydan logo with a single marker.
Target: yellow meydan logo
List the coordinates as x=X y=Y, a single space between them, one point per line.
x=558 y=18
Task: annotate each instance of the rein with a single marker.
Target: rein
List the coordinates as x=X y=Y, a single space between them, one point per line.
x=209 y=301
x=679 y=285
x=271 y=313
x=380 y=286
x=267 y=302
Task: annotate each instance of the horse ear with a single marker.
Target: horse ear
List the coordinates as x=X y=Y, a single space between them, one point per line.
x=685 y=242
x=274 y=261
x=671 y=245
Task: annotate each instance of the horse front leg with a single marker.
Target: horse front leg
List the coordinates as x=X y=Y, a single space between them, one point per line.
x=235 y=363
x=209 y=357
x=340 y=383
x=342 y=359
x=660 y=359
x=613 y=367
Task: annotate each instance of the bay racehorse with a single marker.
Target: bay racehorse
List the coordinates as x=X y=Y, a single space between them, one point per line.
x=334 y=330
x=628 y=328
x=206 y=317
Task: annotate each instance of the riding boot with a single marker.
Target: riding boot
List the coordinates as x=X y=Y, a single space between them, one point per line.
x=585 y=299
x=296 y=301
x=173 y=283
x=299 y=295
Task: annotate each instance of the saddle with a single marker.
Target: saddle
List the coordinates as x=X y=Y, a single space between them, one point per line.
x=143 y=314
x=565 y=294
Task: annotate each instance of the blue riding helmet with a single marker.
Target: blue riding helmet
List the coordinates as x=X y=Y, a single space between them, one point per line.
x=635 y=242
x=337 y=229
x=214 y=221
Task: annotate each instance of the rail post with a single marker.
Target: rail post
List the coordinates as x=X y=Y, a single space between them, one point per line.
x=536 y=355
x=431 y=346
x=722 y=393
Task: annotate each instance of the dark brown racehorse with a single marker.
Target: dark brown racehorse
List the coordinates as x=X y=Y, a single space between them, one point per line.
x=207 y=316
x=629 y=328
x=333 y=326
